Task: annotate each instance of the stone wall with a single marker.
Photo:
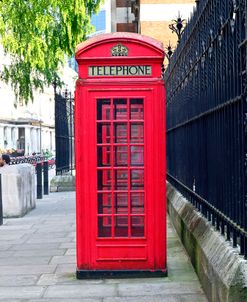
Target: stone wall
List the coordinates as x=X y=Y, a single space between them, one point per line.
x=222 y=272
x=18 y=189
x=62 y=183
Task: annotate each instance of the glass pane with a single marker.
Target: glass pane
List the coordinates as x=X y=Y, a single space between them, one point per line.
x=104 y=180
x=136 y=109
x=104 y=156
x=121 y=203
x=121 y=156
x=137 y=226
x=121 y=226
x=104 y=203
x=120 y=109
x=120 y=172
x=137 y=155
x=120 y=133
x=136 y=133
x=121 y=180
x=103 y=133
x=137 y=179
x=103 y=109
x=104 y=226
x=137 y=203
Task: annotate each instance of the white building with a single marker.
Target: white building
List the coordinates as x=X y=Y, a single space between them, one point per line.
x=29 y=127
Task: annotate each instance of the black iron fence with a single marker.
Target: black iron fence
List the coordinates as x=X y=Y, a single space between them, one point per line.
x=64 y=132
x=206 y=83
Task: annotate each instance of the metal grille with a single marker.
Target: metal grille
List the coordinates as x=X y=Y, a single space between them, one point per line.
x=207 y=116
x=64 y=133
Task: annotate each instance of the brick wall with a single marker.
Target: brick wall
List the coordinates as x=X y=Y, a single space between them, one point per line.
x=127 y=27
x=156 y=15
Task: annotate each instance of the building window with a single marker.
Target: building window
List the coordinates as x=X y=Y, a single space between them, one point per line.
x=13 y=136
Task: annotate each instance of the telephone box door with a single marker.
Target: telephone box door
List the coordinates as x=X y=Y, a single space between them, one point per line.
x=121 y=191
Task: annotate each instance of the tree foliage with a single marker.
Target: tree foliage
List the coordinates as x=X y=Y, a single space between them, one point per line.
x=37 y=34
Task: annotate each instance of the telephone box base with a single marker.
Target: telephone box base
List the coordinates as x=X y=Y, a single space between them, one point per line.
x=99 y=274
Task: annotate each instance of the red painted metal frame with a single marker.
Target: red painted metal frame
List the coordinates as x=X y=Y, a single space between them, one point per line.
x=119 y=252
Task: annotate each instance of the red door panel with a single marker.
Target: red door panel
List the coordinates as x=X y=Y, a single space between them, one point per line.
x=121 y=215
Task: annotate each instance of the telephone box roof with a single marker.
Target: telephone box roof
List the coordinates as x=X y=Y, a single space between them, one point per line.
x=121 y=37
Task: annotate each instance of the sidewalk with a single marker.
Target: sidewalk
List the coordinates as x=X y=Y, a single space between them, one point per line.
x=37 y=263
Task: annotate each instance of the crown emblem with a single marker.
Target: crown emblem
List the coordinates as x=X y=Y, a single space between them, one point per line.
x=119 y=50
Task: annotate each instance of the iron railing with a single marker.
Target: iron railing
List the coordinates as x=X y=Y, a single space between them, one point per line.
x=206 y=83
x=64 y=133
x=26 y=159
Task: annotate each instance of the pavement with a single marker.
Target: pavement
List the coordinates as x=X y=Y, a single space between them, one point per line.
x=37 y=263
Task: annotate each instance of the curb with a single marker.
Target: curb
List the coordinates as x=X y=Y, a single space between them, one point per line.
x=220 y=268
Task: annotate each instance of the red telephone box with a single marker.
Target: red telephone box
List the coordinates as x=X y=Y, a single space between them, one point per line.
x=120 y=157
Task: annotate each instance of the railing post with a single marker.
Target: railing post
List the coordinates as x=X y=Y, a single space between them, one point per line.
x=1 y=201
x=241 y=244
x=46 y=178
x=39 y=181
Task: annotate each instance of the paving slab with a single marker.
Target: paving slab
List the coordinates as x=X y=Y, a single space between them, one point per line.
x=81 y=290
x=33 y=246
x=4 y=246
x=53 y=279
x=26 y=269
x=152 y=289
x=10 y=236
x=55 y=227
x=13 y=300
x=18 y=280
x=66 y=300
x=71 y=252
x=4 y=254
x=48 y=240
x=37 y=252
x=68 y=245
x=21 y=292
x=63 y=259
x=23 y=260
x=66 y=268
x=38 y=263
x=47 y=235
x=193 y=298
x=157 y=298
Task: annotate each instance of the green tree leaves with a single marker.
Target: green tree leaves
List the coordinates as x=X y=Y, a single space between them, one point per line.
x=37 y=34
